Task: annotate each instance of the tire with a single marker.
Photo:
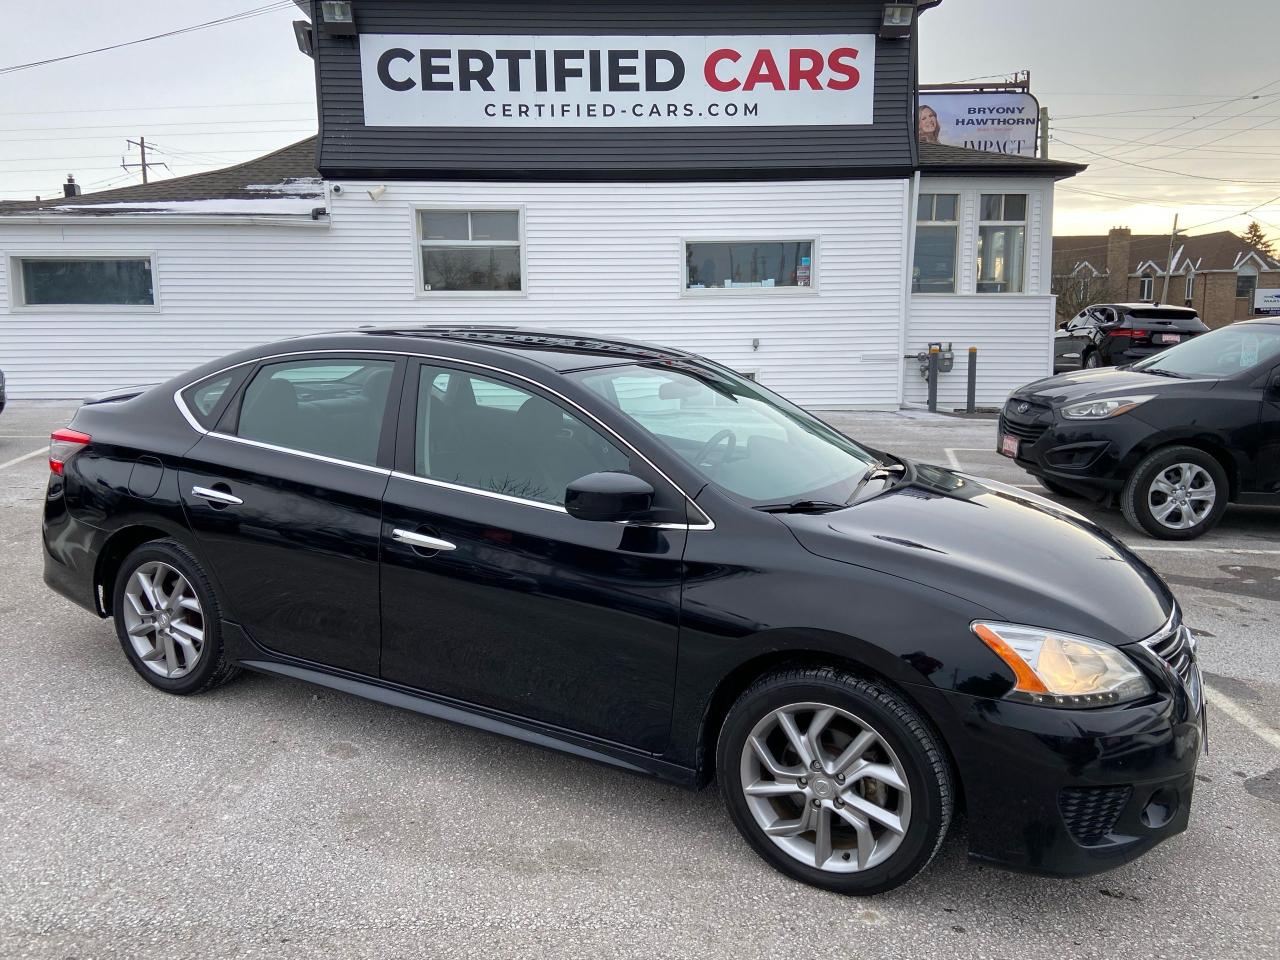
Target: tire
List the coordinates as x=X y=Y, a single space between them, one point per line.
x=1166 y=465
x=1092 y=360
x=188 y=663
x=1059 y=490
x=862 y=860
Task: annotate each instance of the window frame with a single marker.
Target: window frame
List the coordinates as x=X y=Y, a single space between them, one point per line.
x=406 y=451
x=1024 y=223
x=419 y=242
x=815 y=268
x=228 y=422
x=17 y=282
x=1251 y=276
x=958 y=224
x=1147 y=288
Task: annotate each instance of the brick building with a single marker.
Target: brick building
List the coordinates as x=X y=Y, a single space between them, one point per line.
x=1217 y=273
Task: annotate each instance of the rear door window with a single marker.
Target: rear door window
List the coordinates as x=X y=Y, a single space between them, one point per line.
x=332 y=408
x=495 y=437
x=206 y=400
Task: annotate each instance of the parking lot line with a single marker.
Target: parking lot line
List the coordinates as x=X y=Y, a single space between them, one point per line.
x=1242 y=716
x=25 y=456
x=954 y=462
x=1161 y=548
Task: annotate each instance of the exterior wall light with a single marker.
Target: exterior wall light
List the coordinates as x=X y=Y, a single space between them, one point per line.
x=377 y=192
x=897 y=21
x=336 y=18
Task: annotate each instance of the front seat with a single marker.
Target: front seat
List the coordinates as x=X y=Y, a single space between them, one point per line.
x=553 y=457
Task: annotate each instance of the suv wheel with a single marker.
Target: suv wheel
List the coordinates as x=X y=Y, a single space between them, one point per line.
x=1175 y=493
x=835 y=780
x=1091 y=360
x=168 y=619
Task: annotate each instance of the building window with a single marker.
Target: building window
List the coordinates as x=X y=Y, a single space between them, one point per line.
x=1191 y=288
x=937 y=230
x=84 y=281
x=1002 y=242
x=1146 y=288
x=470 y=251
x=1246 y=283
x=750 y=265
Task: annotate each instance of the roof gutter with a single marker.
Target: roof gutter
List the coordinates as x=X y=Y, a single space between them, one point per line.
x=308 y=220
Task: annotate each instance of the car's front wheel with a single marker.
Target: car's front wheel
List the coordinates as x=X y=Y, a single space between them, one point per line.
x=835 y=780
x=168 y=620
x=1175 y=493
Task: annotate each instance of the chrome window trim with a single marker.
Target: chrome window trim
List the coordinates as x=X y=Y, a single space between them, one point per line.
x=300 y=453
x=180 y=402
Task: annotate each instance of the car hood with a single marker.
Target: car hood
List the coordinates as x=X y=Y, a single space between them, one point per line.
x=1022 y=557
x=1102 y=382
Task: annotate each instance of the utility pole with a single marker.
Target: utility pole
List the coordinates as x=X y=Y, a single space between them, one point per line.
x=141 y=144
x=1168 y=263
x=1044 y=133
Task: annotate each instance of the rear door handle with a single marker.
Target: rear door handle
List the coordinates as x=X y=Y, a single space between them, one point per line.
x=215 y=496
x=422 y=541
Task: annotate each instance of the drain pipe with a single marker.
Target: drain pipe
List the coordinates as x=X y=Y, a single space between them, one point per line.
x=908 y=264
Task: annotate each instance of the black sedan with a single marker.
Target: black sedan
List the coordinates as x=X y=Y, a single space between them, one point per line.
x=1174 y=438
x=1115 y=334
x=635 y=555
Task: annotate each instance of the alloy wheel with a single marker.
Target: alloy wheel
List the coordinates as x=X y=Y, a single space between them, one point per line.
x=826 y=787
x=164 y=620
x=1182 y=495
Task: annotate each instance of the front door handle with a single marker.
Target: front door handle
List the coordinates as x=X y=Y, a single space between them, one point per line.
x=422 y=541
x=216 y=496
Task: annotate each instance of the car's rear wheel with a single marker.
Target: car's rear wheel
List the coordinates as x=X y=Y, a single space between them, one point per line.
x=1092 y=360
x=168 y=619
x=835 y=780
x=1176 y=493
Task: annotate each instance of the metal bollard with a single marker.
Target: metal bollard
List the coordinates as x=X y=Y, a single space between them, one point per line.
x=973 y=380
x=933 y=379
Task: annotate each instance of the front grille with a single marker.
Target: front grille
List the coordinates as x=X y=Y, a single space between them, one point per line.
x=1176 y=647
x=1090 y=813
x=1030 y=432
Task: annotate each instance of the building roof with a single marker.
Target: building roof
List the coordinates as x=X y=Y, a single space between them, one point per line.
x=938 y=158
x=1222 y=250
x=282 y=183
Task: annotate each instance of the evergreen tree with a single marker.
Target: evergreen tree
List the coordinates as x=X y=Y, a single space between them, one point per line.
x=1255 y=238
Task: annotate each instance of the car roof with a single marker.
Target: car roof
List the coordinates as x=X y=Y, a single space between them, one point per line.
x=1148 y=306
x=560 y=350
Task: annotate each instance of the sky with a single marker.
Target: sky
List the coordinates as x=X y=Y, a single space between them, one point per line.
x=1175 y=109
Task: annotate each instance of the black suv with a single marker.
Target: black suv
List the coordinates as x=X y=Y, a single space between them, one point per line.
x=1174 y=438
x=1114 y=334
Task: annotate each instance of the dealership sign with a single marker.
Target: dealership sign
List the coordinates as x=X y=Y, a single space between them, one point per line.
x=995 y=122
x=419 y=80
x=1266 y=300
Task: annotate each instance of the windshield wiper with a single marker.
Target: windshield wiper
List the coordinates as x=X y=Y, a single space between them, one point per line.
x=877 y=471
x=800 y=506
x=1162 y=372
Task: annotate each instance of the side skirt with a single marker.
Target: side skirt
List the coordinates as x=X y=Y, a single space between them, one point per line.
x=429 y=706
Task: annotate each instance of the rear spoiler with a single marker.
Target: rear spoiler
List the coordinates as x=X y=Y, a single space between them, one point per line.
x=119 y=394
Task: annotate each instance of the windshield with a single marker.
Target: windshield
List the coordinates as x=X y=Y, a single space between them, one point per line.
x=739 y=436
x=1218 y=354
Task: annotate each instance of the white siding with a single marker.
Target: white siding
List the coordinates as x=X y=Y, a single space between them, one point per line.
x=1013 y=333
x=1009 y=332
x=606 y=258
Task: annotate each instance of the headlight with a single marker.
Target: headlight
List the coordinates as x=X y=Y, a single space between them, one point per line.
x=1102 y=409
x=1061 y=670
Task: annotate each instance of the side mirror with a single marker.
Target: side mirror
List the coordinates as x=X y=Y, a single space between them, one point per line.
x=608 y=497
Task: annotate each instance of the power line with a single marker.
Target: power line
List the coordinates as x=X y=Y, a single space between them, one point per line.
x=232 y=18
x=1176 y=173
x=165 y=123
x=176 y=106
x=1176 y=106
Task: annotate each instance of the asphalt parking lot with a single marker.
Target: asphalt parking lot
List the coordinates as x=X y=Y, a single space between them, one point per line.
x=274 y=819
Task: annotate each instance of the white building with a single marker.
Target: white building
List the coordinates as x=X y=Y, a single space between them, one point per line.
x=799 y=271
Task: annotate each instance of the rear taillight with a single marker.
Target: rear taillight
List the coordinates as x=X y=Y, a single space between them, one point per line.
x=63 y=445
x=1131 y=334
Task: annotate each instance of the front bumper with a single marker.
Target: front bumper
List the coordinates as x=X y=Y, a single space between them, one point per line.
x=1072 y=792
x=1085 y=455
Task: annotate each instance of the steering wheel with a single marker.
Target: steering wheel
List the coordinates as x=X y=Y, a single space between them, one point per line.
x=704 y=452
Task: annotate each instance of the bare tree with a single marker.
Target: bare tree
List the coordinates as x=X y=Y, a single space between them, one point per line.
x=1077 y=291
